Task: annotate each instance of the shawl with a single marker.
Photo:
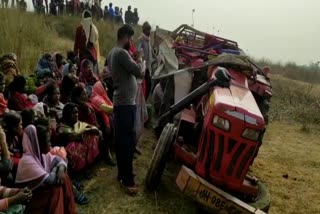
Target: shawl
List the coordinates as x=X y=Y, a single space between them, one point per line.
x=34 y=165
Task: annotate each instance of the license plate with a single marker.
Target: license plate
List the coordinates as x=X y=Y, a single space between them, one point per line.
x=213 y=200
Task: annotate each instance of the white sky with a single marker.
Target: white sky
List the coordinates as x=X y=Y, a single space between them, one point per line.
x=280 y=30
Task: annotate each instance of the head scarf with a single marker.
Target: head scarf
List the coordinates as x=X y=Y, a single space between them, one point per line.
x=44 y=66
x=34 y=165
x=9 y=68
x=88 y=78
x=86 y=23
x=58 y=71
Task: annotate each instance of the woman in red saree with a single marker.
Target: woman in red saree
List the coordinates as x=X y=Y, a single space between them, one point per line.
x=86 y=110
x=80 y=139
x=104 y=108
x=3 y=101
x=44 y=174
x=18 y=99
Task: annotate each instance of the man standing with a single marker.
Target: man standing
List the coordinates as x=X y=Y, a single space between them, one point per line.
x=111 y=12
x=124 y=72
x=144 y=43
x=128 y=16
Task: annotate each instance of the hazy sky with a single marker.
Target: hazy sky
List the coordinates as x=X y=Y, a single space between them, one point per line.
x=281 y=30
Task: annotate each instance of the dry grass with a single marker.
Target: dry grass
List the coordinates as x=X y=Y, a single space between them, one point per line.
x=295 y=101
x=289 y=151
x=286 y=150
x=107 y=197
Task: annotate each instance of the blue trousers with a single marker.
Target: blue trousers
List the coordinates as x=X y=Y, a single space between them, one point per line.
x=125 y=135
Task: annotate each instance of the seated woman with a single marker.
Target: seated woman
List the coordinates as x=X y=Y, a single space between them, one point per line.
x=13 y=199
x=80 y=198
x=58 y=66
x=107 y=80
x=80 y=139
x=44 y=81
x=8 y=66
x=104 y=108
x=86 y=111
x=18 y=99
x=12 y=125
x=44 y=174
x=6 y=164
x=70 y=69
x=87 y=75
x=101 y=102
x=3 y=101
x=10 y=199
x=67 y=84
x=53 y=101
x=45 y=63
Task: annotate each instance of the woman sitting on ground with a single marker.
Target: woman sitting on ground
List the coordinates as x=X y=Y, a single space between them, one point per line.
x=87 y=76
x=53 y=101
x=12 y=125
x=44 y=65
x=58 y=66
x=80 y=139
x=104 y=108
x=18 y=99
x=67 y=84
x=70 y=69
x=77 y=187
x=86 y=111
x=8 y=66
x=44 y=174
x=6 y=164
x=3 y=101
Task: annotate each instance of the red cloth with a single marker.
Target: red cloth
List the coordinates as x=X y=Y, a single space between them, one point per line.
x=80 y=46
x=80 y=42
x=99 y=96
x=87 y=114
x=87 y=77
x=3 y=105
x=53 y=199
x=82 y=154
x=19 y=102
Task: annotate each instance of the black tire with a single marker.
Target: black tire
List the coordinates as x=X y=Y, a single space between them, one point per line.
x=159 y=157
x=264 y=198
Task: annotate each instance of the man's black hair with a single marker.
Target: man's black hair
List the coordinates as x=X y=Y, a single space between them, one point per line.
x=125 y=31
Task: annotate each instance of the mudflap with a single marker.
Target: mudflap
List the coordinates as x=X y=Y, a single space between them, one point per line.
x=212 y=198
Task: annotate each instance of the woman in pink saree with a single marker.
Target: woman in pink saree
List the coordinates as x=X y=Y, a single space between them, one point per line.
x=45 y=174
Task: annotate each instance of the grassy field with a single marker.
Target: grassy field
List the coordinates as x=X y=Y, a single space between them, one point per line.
x=288 y=161
x=287 y=150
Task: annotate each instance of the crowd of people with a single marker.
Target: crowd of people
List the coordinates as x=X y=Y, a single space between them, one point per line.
x=75 y=115
x=75 y=7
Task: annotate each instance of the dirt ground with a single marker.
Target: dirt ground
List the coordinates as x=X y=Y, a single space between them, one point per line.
x=288 y=162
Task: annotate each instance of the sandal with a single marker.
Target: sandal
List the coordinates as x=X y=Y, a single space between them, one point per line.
x=78 y=185
x=81 y=199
